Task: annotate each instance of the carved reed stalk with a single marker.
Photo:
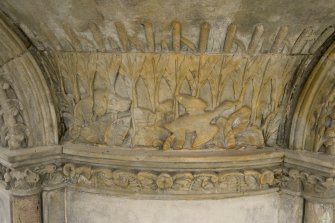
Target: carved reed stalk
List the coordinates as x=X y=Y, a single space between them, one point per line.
x=176 y=35
x=255 y=39
x=230 y=36
x=97 y=35
x=123 y=36
x=74 y=40
x=280 y=37
x=321 y=39
x=257 y=93
x=149 y=35
x=203 y=39
x=301 y=41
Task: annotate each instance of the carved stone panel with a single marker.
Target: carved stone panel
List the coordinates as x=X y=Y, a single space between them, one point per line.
x=171 y=100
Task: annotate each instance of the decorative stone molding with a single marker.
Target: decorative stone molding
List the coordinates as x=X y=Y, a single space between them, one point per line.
x=133 y=181
x=28 y=180
x=312 y=126
x=153 y=100
x=32 y=107
x=311 y=185
x=142 y=177
x=148 y=38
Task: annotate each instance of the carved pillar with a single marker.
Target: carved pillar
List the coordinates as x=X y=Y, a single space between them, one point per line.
x=27 y=209
x=318 y=212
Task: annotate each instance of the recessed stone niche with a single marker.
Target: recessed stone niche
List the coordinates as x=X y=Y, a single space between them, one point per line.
x=147 y=111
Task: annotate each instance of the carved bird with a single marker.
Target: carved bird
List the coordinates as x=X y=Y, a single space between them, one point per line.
x=197 y=120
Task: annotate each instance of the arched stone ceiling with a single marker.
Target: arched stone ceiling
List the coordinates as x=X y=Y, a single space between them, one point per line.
x=123 y=73
x=90 y=25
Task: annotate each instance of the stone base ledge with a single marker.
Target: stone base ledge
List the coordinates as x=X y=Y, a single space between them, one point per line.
x=194 y=174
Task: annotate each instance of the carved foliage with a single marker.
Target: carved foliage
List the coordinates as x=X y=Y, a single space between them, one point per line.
x=31 y=178
x=153 y=182
x=13 y=132
x=166 y=182
x=308 y=183
x=172 y=100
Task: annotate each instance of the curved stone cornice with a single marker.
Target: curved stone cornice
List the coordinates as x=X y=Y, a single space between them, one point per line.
x=170 y=175
x=173 y=174
x=312 y=121
x=21 y=72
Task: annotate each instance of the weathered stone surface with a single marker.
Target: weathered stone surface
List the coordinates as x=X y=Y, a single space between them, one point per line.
x=96 y=25
x=125 y=85
x=53 y=206
x=172 y=101
x=318 y=212
x=25 y=98
x=5 y=207
x=290 y=209
x=313 y=122
x=27 y=209
x=84 y=207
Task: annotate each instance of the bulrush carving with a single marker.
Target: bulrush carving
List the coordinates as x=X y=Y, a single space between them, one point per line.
x=172 y=101
x=129 y=38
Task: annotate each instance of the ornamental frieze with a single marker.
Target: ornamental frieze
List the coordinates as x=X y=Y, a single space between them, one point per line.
x=171 y=101
x=229 y=182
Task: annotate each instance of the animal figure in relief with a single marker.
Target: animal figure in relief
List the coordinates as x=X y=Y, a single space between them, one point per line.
x=197 y=120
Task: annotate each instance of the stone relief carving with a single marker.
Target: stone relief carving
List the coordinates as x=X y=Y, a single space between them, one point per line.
x=307 y=182
x=13 y=129
x=31 y=178
x=143 y=36
x=177 y=182
x=313 y=122
x=164 y=182
x=137 y=181
x=171 y=101
x=325 y=127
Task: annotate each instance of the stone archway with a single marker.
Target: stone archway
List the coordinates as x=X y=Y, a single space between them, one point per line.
x=159 y=113
x=27 y=108
x=312 y=121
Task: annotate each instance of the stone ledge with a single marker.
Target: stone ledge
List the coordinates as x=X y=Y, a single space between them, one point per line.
x=211 y=172
x=29 y=156
x=319 y=163
x=172 y=160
